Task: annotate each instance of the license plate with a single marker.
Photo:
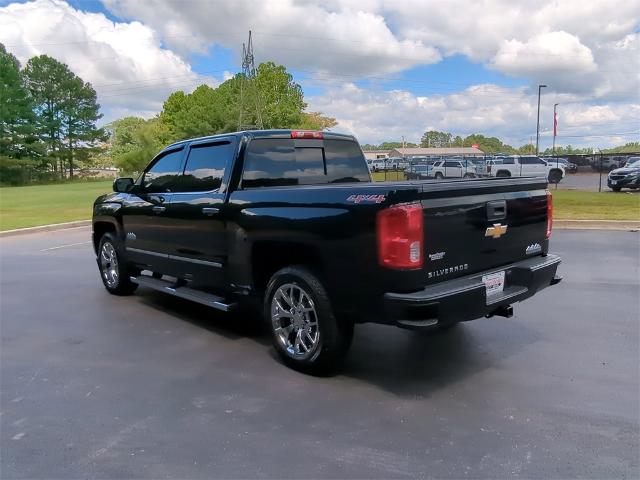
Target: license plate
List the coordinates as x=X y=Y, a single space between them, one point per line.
x=613 y=182
x=493 y=283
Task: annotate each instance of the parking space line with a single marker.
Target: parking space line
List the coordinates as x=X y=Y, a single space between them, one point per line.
x=65 y=246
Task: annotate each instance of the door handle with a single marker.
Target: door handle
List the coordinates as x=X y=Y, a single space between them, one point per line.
x=158 y=209
x=209 y=211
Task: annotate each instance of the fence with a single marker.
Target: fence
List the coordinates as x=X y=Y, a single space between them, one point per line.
x=582 y=172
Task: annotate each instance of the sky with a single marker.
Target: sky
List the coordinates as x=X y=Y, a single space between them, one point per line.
x=385 y=69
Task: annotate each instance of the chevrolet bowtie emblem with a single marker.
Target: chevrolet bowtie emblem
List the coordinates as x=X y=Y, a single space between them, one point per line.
x=496 y=231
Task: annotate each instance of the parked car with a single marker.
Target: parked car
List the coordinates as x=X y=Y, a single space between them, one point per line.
x=396 y=163
x=378 y=165
x=418 y=172
x=632 y=161
x=290 y=223
x=484 y=169
x=626 y=177
x=608 y=163
x=453 y=169
x=568 y=166
x=523 y=166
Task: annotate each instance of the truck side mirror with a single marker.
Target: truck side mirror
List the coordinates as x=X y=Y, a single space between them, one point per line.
x=123 y=185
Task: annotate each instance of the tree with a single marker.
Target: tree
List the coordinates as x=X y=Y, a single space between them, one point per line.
x=316 y=121
x=207 y=110
x=44 y=78
x=487 y=144
x=526 y=149
x=433 y=138
x=16 y=114
x=631 y=147
x=135 y=141
x=280 y=98
x=80 y=112
x=66 y=111
x=392 y=145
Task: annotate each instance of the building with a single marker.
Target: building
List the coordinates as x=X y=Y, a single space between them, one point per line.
x=375 y=154
x=435 y=152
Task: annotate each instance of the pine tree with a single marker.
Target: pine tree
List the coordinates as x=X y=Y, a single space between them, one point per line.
x=16 y=115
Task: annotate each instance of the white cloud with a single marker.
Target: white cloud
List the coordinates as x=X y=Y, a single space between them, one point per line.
x=554 y=54
x=508 y=113
x=300 y=35
x=125 y=63
x=569 y=45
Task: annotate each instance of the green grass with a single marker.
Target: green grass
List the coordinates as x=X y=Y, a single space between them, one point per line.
x=44 y=204
x=581 y=205
x=573 y=204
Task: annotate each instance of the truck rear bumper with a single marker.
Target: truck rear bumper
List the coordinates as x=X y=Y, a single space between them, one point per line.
x=464 y=299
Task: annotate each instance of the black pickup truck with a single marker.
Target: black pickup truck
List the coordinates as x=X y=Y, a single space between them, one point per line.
x=291 y=222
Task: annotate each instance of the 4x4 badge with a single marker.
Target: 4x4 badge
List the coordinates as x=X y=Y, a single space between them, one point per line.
x=496 y=231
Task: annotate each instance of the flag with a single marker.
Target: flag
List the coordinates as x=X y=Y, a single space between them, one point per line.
x=555 y=124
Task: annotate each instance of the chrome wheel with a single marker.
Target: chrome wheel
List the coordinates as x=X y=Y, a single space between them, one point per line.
x=294 y=321
x=109 y=265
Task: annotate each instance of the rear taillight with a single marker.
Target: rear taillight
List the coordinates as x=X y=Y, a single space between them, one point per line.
x=549 y=213
x=307 y=134
x=400 y=235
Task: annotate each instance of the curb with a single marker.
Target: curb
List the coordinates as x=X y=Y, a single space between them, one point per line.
x=625 y=225
x=46 y=228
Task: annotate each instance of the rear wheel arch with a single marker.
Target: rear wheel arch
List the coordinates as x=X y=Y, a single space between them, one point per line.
x=267 y=257
x=503 y=173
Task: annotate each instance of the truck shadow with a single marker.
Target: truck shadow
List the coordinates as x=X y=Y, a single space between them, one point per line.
x=402 y=362
x=408 y=363
x=233 y=325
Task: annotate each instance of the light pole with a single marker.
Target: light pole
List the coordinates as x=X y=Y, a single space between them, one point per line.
x=540 y=87
x=555 y=130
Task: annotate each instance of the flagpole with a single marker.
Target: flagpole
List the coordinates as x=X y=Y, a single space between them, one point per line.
x=555 y=134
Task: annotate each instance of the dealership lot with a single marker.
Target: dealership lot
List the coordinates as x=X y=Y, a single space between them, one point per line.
x=150 y=386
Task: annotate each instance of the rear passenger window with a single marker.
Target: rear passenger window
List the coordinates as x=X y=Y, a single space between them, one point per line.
x=273 y=162
x=205 y=166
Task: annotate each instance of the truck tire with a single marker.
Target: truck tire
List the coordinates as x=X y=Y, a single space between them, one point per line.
x=114 y=271
x=555 y=176
x=305 y=332
x=616 y=189
x=503 y=173
x=439 y=176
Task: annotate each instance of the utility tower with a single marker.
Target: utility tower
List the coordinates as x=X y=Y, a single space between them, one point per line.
x=250 y=117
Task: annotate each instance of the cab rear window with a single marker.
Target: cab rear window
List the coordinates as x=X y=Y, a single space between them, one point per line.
x=270 y=162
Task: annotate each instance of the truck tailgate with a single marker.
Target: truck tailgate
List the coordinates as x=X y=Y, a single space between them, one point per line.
x=479 y=225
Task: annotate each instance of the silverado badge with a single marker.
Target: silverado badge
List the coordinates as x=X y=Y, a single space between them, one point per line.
x=496 y=231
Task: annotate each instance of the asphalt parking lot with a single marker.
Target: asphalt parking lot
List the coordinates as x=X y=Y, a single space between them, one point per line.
x=96 y=386
x=589 y=181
